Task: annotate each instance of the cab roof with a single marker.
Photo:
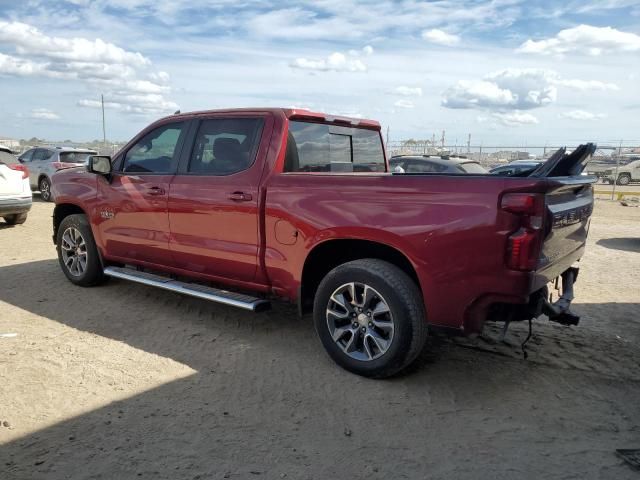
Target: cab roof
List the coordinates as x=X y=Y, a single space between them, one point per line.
x=293 y=114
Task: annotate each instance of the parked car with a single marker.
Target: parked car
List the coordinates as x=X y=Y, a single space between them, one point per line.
x=273 y=203
x=43 y=162
x=15 y=193
x=433 y=164
x=516 y=167
x=627 y=174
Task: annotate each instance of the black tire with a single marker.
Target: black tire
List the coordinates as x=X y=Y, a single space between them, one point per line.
x=92 y=273
x=16 y=219
x=624 y=179
x=44 y=185
x=405 y=304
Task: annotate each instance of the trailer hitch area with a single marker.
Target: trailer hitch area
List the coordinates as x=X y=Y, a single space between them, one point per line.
x=559 y=311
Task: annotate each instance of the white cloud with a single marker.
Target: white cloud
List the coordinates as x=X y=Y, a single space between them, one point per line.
x=407 y=91
x=29 y=40
x=478 y=94
x=119 y=73
x=368 y=50
x=440 y=37
x=584 y=39
x=337 y=62
x=43 y=114
x=515 y=119
x=404 y=104
x=515 y=89
x=584 y=85
x=582 y=115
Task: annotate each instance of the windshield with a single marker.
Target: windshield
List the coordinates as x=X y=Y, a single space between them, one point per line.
x=473 y=167
x=75 y=157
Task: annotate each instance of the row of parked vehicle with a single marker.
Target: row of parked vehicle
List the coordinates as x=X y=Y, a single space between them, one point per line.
x=32 y=170
x=36 y=166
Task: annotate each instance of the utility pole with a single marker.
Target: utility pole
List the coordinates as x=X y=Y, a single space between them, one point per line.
x=104 y=130
x=469 y=144
x=387 y=142
x=615 y=177
x=442 y=139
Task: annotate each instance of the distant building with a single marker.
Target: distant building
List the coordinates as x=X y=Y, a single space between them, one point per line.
x=509 y=155
x=11 y=143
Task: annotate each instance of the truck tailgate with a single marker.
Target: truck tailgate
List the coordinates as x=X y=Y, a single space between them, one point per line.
x=569 y=205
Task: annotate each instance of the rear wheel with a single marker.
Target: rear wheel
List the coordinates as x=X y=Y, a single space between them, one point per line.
x=624 y=179
x=77 y=251
x=44 y=185
x=370 y=317
x=16 y=219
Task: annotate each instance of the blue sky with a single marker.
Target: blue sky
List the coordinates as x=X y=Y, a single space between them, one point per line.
x=506 y=71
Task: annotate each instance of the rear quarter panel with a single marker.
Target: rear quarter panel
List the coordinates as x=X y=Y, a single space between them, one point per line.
x=449 y=227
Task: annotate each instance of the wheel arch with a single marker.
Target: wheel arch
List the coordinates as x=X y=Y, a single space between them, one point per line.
x=327 y=255
x=60 y=212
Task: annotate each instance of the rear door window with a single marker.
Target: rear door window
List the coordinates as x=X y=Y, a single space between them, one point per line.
x=42 y=154
x=224 y=146
x=316 y=147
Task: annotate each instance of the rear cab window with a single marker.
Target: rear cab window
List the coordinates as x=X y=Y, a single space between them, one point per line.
x=75 y=157
x=318 y=147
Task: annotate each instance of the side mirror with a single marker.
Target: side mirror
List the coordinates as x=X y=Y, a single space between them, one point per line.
x=100 y=164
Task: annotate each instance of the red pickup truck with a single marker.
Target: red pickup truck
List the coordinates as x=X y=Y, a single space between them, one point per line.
x=302 y=206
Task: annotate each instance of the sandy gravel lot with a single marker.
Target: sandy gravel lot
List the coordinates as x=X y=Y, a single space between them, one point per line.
x=125 y=381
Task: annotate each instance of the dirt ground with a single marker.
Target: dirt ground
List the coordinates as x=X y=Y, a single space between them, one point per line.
x=126 y=381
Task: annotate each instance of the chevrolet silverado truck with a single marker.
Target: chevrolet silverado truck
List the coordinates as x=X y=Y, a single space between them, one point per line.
x=249 y=205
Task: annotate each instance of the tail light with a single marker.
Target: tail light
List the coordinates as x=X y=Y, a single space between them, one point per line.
x=523 y=245
x=21 y=168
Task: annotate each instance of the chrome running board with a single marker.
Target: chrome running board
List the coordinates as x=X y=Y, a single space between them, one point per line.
x=233 y=299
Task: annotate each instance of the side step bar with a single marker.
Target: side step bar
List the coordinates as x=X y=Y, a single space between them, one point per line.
x=239 y=300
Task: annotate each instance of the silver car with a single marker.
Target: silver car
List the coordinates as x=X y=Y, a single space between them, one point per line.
x=43 y=162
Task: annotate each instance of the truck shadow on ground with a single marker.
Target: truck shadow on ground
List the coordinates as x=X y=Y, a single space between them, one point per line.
x=625 y=244
x=266 y=400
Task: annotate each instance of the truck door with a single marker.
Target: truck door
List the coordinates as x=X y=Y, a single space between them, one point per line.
x=213 y=200
x=132 y=208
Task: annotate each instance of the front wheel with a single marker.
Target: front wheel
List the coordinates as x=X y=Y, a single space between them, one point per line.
x=77 y=252
x=370 y=317
x=44 y=185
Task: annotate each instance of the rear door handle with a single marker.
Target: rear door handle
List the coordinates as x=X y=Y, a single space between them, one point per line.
x=240 y=196
x=156 y=191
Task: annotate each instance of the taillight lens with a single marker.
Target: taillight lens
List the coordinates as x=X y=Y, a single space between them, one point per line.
x=61 y=165
x=21 y=168
x=523 y=245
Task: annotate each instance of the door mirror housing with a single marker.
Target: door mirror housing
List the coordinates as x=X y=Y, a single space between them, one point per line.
x=99 y=164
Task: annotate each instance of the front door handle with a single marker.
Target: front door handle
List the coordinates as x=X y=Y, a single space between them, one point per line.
x=240 y=196
x=156 y=191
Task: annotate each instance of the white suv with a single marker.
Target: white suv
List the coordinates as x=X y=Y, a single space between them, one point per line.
x=43 y=162
x=15 y=192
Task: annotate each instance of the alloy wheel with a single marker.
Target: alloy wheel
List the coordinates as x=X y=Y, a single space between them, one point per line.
x=360 y=321
x=74 y=251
